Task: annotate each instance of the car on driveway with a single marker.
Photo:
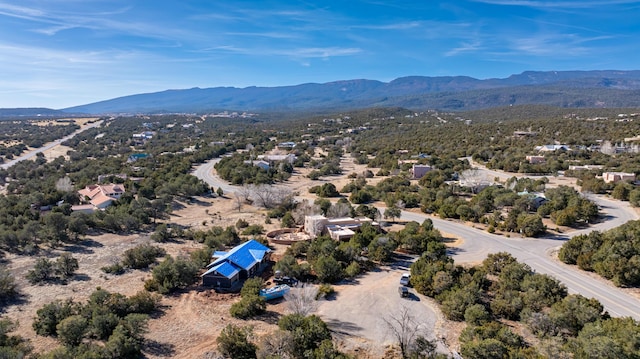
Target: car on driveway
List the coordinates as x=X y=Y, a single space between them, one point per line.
x=404 y=292
x=404 y=280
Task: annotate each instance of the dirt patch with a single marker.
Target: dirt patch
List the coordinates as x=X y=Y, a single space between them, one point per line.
x=57 y=151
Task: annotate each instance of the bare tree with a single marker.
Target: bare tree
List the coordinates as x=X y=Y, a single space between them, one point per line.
x=64 y=184
x=404 y=329
x=285 y=197
x=302 y=300
x=472 y=178
x=607 y=148
x=303 y=209
x=263 y=195
x=338 y=210
x=276 y=345
x=244 y=194
x=238 y=201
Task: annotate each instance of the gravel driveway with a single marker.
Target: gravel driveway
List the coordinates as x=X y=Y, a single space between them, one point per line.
x=357 y=313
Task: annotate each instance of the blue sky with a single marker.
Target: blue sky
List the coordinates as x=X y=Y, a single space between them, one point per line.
x=61 y=53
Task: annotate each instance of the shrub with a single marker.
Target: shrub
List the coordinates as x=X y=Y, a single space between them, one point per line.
x=252 y=230
x=249 y=306
x=352 y=270
x=71 y=330
x=48 y=317
x=241 y=223
x=115 y=268
x=476 y=315
x=328 y=269
x=308 y=333
x=201 y=257
x=172 y=274
x=8 y=289
x=251 y=287
x=233 y=342
x=102 y=325
x=66 y=265
x=325 y=291
x=287 y=221
x=41 y=271
x=141 y=256
x=143 y=302
x=161 y=234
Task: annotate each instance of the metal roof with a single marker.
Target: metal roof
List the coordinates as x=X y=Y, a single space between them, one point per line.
x=245 y=256
x=226 y=269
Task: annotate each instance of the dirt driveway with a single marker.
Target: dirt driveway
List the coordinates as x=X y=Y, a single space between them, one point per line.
x=357 y=313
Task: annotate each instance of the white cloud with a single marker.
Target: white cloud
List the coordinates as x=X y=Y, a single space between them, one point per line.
x=395 y=26
x=302 y=52
x=464 y=47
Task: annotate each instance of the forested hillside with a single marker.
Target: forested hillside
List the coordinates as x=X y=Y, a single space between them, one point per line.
x=570 y=89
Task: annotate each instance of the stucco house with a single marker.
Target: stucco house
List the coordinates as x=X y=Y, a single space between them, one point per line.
x=101 y=196
x=615 y=177
x=535 y=159
x=273 y=159
x=338 y=229
x=552 y=148
x=230 y=268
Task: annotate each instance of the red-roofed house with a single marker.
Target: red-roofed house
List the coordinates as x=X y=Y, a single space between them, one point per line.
x=101 y=196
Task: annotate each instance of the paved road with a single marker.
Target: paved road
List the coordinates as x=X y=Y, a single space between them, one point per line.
x=47 y=146
x=205 y=172
x=537 y=253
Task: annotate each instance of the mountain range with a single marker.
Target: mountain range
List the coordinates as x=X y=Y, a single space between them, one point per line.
x=576 y=89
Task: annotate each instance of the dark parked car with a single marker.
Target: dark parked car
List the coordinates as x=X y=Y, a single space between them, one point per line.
x=286 y=280
x=404 y=291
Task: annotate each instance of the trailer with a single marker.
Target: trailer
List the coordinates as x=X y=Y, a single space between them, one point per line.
x=275 y=292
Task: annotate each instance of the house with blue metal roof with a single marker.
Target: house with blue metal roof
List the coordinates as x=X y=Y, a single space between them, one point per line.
x=241 y=262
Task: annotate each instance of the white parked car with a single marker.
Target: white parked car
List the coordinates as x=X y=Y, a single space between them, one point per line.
x=404 y=280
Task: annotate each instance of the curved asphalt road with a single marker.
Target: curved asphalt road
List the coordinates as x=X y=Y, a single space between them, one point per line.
x=205 y=172
x=537 y=253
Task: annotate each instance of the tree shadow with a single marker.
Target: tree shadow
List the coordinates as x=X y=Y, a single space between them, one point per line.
x=159 y=311
x=80 y=249
x=343 y=329
x=91 y=243
x=155 y=348
x=176 y=206
x=350 y=281
x=270 y=317
x=413 y=297
x=81 y=277
x=454 y=250
x=199 y=202
x=17 y=300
